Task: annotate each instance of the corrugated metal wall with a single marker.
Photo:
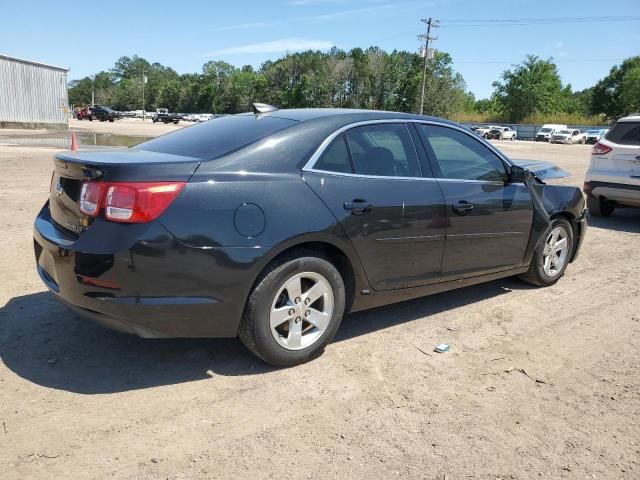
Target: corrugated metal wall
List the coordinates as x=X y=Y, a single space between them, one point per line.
x=32 y=93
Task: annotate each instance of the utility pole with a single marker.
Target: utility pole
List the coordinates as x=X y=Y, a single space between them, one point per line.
x=144 y=80
x=93 y=91
x=427 y=54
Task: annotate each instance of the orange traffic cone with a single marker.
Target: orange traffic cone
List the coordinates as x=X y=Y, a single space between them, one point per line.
x=74 y=144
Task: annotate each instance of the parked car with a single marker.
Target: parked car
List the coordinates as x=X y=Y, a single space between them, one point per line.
x=613 y=178
x=98 y=112
x=502 y=133
x=569 y=136
x=594 y=136
x=204 y=117
x=547 y=130
x=163 y=115
x=483 y=131
x=191 y=235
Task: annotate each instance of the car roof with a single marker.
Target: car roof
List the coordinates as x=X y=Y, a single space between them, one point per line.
x=631 y=118
x=349 y=115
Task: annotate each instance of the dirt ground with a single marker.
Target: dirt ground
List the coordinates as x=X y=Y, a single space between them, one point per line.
x=539 y=383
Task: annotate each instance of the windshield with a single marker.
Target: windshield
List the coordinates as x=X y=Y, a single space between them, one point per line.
x=565 y=132
x=216 y=137
x=545 y=130
x=594 y=132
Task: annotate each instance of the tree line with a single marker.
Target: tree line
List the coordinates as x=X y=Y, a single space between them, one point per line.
x=370 y=78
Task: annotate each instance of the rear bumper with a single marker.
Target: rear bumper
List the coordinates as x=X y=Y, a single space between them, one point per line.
x=623 y=194
x=157 y=287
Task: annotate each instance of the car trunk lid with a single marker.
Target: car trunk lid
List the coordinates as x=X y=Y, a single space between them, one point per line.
x=71 y=169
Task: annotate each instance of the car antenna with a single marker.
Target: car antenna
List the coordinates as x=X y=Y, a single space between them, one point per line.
x=263 y=108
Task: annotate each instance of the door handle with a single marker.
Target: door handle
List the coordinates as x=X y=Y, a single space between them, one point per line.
x=358 y=206
x=462 y=207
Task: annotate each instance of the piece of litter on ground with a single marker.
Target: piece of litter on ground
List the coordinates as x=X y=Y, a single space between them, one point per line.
x=442 y=348
x=422 y=351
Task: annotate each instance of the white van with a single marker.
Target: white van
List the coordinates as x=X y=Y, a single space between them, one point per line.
x=544 y=134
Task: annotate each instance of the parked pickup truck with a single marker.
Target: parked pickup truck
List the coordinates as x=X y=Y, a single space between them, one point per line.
x=547 y=130
x=483 y=131
x=569 y=136
x=97 y=113
x=163 y=115
x=502 y=133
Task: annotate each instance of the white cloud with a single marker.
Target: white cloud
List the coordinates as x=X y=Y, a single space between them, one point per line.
x=274 y=46
x=559 y=44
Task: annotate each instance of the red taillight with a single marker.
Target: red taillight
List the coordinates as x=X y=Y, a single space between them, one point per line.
x=130 y=202
x=600 y=149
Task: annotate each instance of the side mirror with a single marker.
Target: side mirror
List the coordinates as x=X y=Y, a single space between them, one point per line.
x=518 y=174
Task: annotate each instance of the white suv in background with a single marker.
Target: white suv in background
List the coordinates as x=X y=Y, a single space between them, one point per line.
x=613 y=178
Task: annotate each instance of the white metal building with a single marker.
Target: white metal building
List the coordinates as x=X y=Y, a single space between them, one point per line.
x=32 y=94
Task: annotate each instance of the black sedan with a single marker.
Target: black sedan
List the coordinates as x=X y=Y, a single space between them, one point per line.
x=271 y=225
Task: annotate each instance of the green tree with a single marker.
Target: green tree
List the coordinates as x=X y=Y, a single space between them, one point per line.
x=618 y=93
x=532 y=87
x=169 y=96
x=370 y=78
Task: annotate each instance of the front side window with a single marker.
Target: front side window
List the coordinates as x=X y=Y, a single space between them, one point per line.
x=460 y=156
x=383 y=150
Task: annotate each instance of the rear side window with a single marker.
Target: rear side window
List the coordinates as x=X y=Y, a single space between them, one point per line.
x=216 y=137
x=460 y=156
x=383 y=150
x=335 y=158
x=625 y=133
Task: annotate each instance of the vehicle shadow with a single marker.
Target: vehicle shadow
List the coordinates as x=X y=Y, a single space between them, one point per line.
x=621 y=220
x=44 y=343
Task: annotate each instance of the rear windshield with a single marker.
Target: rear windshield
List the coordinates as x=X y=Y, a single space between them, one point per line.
x=216 y=137
x=625 y=133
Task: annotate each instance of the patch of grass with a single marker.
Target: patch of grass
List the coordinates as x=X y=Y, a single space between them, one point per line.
x=537 y=119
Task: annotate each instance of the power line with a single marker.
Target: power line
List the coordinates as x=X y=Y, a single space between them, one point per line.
x=587 y=60
x=598 y=18
x=510 y=22
x=428 y=54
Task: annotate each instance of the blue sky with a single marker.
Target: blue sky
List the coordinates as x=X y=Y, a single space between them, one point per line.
x=185 y=34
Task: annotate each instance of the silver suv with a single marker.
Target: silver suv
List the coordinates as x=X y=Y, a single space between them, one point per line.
x=613 y=178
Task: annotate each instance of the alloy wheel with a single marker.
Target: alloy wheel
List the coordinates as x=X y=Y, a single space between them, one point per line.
x=301 y=310
x=556 y=250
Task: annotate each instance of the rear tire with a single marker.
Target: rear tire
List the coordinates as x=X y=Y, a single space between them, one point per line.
x=271 y=331
x=600 y=207
x=552 y=256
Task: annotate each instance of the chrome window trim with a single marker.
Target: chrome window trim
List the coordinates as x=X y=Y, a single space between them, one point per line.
x=371 y=177
x=308 y=166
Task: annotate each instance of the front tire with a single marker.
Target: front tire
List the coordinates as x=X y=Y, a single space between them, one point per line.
x=552 y=256
x=599 y=207
x=294 y=310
